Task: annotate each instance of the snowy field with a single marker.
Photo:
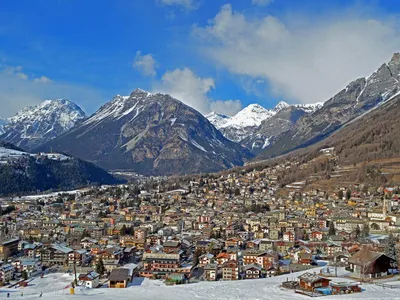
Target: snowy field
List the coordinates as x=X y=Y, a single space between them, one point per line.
x=56 y=286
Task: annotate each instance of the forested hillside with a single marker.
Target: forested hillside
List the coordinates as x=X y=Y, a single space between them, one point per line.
x=31 y=174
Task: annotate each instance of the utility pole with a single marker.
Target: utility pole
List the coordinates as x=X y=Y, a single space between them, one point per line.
x=76 y=280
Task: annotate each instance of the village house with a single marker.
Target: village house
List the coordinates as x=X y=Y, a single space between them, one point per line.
x=6 y=273
x=210 y=272
x=90 y=280
x=118 y=278
x=310 y=282
x=369 y=264
x=160 y=263
x=230 y=270
x=8 y=248
x=205 y=259
x=252 y=271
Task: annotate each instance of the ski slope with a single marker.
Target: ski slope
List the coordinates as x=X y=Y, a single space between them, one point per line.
x=56 y=286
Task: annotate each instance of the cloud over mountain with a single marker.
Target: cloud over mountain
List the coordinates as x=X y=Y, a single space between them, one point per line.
x=302 y=61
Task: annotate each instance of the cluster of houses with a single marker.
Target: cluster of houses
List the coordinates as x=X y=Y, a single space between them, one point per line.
x=231 y=226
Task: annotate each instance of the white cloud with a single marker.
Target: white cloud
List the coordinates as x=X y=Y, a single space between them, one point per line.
x=191 y=89
x=16 y=71
x=186 y=86
x=17 y=92
x=146 y=64
x=42 y=79
x=186 y=4
x=21 y=75
x=301 y=61
x=227 y=107
x=261 y=2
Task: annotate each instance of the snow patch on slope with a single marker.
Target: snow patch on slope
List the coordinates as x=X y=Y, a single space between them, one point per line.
x=197 y=145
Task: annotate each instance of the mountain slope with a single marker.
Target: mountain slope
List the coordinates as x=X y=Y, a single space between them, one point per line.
x=150 y=134
x=366 y=150
x=22 y=172
x=3 y=122
x=370 y=137
x=35 y=125
x=269 y=129
x=359 y=97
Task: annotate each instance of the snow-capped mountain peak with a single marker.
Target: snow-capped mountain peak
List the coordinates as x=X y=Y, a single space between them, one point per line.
x=217 y=119
x=281 y=105
x=250 y=116
x=34 y=125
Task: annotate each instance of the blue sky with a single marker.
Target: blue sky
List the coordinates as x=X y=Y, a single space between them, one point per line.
x=211 y=54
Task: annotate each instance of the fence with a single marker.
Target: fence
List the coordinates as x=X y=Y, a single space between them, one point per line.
x=387 y=285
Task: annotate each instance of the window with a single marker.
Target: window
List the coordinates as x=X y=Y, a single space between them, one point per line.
x=318 y=284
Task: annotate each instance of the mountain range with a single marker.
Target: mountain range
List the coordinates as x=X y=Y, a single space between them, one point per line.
x=153 y=134
x=156 y=134
x=255 y=127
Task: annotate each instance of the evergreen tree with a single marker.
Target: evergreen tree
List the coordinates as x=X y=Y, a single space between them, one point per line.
x=24 y=275
x=123 y=230
x=348 y=194
x=358 y=231
x=100 y=269
x=332 y=229
x=365 y=230
x=391 y=249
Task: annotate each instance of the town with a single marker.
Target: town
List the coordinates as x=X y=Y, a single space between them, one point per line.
x=237 y=225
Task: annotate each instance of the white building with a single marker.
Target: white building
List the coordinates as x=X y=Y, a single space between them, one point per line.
x=6 y=273
x=90 y=280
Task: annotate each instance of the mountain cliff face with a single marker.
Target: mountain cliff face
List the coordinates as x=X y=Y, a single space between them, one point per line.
x=36 y=125
x=358 y=98
x=152 y=134
x=269 y=129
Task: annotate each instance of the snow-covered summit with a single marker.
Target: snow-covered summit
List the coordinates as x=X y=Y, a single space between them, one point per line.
x=34 y=125
x=250 y=116
x=63 y=111
x=217 y=119
x=281 y=105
